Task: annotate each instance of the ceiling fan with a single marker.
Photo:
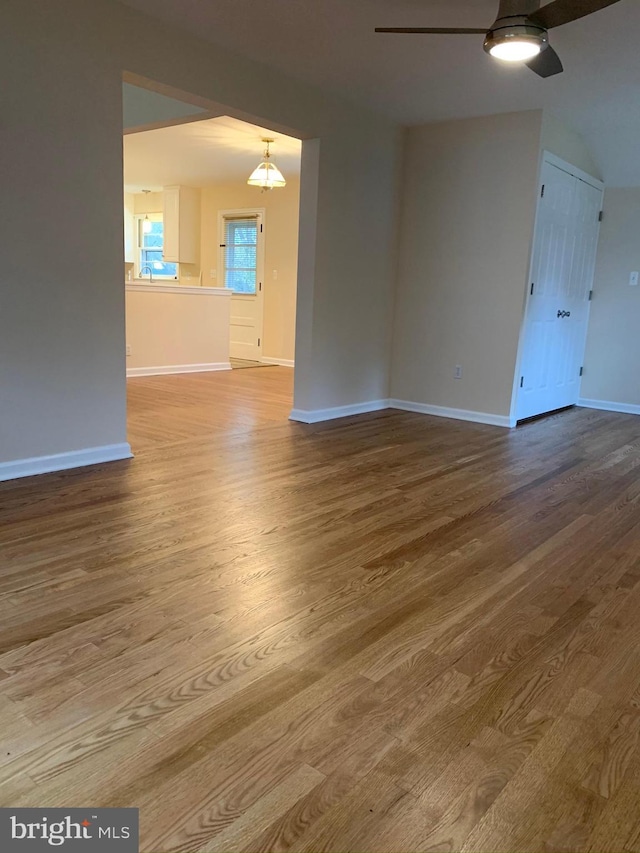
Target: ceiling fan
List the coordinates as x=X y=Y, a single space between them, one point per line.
x=519 y=33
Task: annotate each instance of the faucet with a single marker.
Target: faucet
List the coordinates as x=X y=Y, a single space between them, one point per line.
x=150 y=273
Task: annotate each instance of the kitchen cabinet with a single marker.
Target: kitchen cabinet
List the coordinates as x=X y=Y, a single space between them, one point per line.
x=181 y=216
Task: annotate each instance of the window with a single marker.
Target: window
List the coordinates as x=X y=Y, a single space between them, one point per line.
x=241 y=254
x=150 y=247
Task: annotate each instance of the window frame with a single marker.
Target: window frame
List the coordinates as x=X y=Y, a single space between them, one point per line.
x=138 y=219
x=255 y=221
x=258 y=213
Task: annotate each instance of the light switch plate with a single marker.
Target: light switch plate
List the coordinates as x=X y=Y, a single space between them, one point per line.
x=633 y=279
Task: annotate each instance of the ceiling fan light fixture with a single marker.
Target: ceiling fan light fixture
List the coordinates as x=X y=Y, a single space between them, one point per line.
x=516 y=43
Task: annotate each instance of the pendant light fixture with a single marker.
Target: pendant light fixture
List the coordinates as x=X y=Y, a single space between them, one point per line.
x=267 y=175
x=146 y=222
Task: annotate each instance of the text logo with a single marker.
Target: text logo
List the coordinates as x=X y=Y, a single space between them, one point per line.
x=79 y=830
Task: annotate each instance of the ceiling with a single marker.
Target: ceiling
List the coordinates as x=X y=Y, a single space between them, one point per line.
x=217 y=150
x=415 y=79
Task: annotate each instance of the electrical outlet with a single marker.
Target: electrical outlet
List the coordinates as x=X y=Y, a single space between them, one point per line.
x=128 y=349
x=275 y=275
x=633 y=279
x=213 y=273
x=458 y=371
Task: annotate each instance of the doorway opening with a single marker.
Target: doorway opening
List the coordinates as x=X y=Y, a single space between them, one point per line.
x=211 y=264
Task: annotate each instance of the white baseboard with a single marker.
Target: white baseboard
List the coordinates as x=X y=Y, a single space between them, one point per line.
x=606 y=406
x=63 y=461
x=454 y=414
x=178 y=368
x=282 y=362
x=317 y=415
x=314 y=416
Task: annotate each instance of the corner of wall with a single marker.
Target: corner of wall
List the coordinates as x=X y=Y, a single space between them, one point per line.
x=565 y=142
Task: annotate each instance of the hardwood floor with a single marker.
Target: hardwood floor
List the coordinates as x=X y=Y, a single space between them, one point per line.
x=170 y=409
x=386 y=633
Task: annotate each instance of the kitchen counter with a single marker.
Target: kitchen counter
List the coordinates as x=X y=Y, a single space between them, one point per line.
x=171 y=330
x=140 y=286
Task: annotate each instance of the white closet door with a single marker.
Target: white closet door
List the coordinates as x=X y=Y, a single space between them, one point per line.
x=558 y=306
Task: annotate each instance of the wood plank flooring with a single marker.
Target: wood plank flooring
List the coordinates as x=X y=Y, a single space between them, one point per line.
x=386 y=633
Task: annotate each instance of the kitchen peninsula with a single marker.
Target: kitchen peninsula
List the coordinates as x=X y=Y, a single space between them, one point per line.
x=173 y=328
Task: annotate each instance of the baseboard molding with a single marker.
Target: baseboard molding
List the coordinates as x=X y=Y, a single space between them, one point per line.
x=62 y=461
x=454 y=414
x=606 y=406
x=178 y=368
x=282 y=362
x=314 y=416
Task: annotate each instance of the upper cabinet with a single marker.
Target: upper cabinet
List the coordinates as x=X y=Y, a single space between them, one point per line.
x=181 y=224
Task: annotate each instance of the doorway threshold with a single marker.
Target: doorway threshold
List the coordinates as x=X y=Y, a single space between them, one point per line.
x=543 y=415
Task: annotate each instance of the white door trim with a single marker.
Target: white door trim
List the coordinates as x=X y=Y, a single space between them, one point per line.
x=559 y=163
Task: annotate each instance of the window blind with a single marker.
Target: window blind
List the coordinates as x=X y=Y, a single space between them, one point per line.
x=241 y=254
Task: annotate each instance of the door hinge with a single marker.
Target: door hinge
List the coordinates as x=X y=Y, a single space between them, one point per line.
x=260 y=286
x=601 y=216
x=258 y=341
x=542 y=192
x=581 y=371
x=522 y=381
x=261 y=229
x=532 y=286
x=590 y=295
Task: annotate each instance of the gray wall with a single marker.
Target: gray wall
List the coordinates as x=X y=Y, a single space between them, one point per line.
x=468 y=208
x=612 y=360
x=568 y=145
x=142 y=108
x=62 y=362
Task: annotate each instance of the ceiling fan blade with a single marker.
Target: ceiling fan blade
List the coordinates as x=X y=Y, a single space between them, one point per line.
x=437 y=31
x=546 y=63
x=561 y=12
x=517 y=7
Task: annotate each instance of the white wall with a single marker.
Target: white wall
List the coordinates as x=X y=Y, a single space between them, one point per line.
x=171 y=327
x=468 y=209
x=612 y=360
x=62 y=311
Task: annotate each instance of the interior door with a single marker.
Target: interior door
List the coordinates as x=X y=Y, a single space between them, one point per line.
x=245 y=338
x=242 y=264
x=555 y=331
